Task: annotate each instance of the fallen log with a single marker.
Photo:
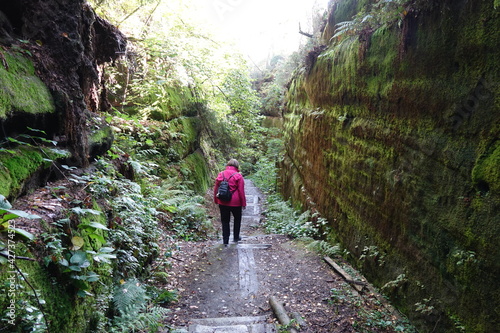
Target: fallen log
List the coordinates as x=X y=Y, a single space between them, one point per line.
x=280 y=313
x=360 y=285
x=357 y=285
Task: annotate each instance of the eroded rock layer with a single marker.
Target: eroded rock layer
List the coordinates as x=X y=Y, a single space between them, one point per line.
x=392 y=134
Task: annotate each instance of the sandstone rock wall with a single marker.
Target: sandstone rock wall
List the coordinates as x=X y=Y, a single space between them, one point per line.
x=392 y=134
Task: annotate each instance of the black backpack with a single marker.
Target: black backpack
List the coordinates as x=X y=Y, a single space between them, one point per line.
x=223 y=192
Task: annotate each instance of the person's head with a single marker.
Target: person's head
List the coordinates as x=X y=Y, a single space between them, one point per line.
x=233 y=162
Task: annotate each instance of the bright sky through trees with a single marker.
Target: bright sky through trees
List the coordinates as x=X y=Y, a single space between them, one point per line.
x=261 y=28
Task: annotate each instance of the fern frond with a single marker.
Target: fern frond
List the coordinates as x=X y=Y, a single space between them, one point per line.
x=148 y=152
x=129 y=296
x=324 y=248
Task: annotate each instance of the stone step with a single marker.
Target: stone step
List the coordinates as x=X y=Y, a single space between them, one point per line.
x=232 y=325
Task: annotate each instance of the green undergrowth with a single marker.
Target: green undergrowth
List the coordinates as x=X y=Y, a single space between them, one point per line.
x=107 y=244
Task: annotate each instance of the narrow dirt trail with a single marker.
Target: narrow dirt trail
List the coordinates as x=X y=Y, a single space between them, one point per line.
x=227 y=289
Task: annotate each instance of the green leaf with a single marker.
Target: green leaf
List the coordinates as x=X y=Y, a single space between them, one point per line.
x=35 y=130
x=8 y=151
x=106 y=249
x=4 y=204
x=16 y=141
x=92 y=277
x=20 y=213
x=82 y=211
x=3 y=260
x=84 y=293
x=77 y=242
x=98 y=225
x=7 y=216
x=23 y=233
x=103 y=257
x=93 y=226
x=78 y=258
x=97 y=237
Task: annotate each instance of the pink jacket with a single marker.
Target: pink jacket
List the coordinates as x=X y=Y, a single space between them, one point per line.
x=236 y=185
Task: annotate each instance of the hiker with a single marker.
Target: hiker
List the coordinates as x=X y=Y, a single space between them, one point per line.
x=235 y=204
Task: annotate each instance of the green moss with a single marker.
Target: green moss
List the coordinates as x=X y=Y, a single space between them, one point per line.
x=65 y=311
x=5 y=181
x=174 y=103
x=194 y=168
x=20 y=89
x=370 y=143
x=93 y=237
x=20 y=166
x=186 y=130
x=101 y=135
x=486 y=175
x=23 y=162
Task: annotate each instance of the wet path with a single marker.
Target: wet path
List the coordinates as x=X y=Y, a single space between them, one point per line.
x=227 y=289
x=224 y=293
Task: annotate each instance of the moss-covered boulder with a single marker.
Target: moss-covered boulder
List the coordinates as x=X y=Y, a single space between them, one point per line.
x=20 y=89
x=25 y=168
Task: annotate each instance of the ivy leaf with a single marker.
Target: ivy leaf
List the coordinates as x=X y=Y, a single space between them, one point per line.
x=106 y=249
x=104 y=255
x=92 y=277
x=4 y=203
x=82 y=211
x=77 y=242
x=80 y=259
x=98 y=238
x=84 y=293
x=98 y=225
x=23 y=233
x=93 y=226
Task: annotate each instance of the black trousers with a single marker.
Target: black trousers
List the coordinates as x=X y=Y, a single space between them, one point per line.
x=225 y=217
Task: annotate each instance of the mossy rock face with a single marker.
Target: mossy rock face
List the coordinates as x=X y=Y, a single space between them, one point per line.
x=100 y=141
x=194 y=168
x=186 y=130
x=18 y=166
x=393 y=138
x=20 y=89
x=486 y=172
x=64 y=310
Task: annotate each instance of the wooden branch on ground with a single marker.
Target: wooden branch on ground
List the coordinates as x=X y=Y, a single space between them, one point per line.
x=280 y=312
x=360 y=285
x=357 y=285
